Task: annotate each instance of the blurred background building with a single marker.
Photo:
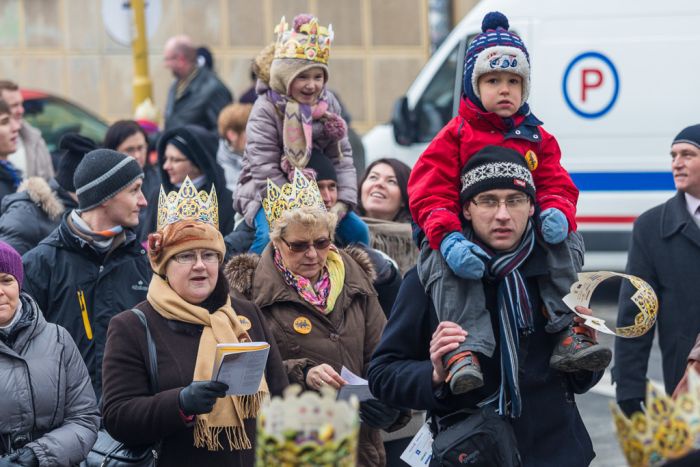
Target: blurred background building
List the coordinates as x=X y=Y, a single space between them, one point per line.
x=61 y=46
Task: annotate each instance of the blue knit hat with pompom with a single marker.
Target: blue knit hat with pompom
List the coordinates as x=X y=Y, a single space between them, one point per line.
x=495 y=49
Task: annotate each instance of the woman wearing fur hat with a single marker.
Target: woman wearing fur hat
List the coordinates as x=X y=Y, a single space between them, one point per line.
x=189 y=311
x=318 y=301
x=293 y=114
x=48 y=412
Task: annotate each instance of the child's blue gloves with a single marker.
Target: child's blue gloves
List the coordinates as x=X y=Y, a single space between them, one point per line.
x=461 y=256
x=555 y=227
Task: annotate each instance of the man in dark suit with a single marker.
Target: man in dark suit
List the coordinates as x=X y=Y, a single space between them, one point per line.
x=665 y=252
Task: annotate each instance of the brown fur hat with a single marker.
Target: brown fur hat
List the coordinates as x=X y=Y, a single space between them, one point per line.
x=182 y=236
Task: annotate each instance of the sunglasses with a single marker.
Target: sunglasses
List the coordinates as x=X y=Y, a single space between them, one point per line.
x=301 y=247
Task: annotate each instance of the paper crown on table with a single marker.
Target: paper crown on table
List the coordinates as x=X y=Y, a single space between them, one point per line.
x=308 y=41
x=300 y=193
x=187 y=203
x=307 y=428
x=668 y=430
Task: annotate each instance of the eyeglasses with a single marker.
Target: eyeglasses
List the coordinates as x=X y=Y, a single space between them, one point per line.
x=190 y=257
x=492 y=204
x=301 y=247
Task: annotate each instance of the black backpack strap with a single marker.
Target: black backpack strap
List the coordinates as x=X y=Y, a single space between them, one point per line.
x=152 y=354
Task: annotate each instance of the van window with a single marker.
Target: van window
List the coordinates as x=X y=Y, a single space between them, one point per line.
x=434 y=109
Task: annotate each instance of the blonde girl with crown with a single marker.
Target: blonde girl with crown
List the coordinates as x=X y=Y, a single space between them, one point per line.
x=293 y=114
x=189 y=312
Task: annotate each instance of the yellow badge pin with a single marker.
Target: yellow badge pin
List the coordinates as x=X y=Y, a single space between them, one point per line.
x=302 y=325
x=245 y=322
x=531 y=159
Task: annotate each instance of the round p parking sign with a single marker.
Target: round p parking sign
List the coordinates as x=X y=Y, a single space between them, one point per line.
x=590 y=85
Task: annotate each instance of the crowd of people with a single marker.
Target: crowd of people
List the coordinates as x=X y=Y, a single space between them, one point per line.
x=238 y=222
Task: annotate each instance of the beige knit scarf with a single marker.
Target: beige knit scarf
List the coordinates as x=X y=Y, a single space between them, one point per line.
x=220 y=327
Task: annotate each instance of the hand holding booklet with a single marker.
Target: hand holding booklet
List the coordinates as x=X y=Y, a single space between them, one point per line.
x=241 y=366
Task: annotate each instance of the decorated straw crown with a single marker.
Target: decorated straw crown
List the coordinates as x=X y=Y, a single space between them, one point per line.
x=300 y=193
x=306 y=428
x=187 y=204
x=306 y=41
x=668 y=430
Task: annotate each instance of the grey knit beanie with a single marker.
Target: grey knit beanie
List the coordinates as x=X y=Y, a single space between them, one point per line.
x=101 y=175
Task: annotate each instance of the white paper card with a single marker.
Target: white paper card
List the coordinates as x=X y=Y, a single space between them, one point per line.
x=420 y=449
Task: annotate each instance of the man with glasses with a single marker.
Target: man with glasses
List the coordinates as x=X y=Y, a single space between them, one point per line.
x=494 y=220
x=91 y=266
x=504 y=310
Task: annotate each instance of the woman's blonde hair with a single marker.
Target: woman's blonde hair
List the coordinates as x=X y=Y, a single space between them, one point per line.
x=311 y=219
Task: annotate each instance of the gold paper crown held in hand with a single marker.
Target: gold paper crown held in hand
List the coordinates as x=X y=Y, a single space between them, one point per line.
x=669 y=429
x=187 y=204
x=301 y=193
x=312 y=41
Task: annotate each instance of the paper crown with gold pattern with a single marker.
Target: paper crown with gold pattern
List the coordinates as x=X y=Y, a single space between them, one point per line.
x=307 y=41
x=305 y=428
x=669 y=429
x=187 y=204
x=300 y=193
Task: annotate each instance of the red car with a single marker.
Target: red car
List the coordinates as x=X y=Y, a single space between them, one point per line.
x=55 y=116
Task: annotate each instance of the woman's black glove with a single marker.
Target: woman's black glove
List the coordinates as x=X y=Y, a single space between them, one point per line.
x=200 y=396
x=630 y=406
x=23 y=457
x=377 y=414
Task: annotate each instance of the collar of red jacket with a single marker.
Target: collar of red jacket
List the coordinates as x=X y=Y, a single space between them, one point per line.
x=487 y=120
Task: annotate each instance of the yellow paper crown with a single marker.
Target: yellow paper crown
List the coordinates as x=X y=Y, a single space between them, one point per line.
x=301 y=193
x=312 y=41
x=307 y=428
x=187 y=204
x=668 y=430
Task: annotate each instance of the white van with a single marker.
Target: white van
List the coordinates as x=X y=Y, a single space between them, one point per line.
x=613 y=81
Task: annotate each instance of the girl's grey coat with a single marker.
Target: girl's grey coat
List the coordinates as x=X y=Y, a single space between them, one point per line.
x=46 y=391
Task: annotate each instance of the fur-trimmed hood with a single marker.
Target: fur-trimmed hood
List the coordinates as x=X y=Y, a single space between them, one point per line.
x=43 y=196
x=240 y=270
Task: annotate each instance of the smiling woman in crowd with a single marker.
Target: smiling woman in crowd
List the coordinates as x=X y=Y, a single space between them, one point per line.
x=384 y=207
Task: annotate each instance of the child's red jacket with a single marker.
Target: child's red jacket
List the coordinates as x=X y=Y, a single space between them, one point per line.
x=434 y=184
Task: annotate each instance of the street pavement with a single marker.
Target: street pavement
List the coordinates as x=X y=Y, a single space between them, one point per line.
x=594 y=405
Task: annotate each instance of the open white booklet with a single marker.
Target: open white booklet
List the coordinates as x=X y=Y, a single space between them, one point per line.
x=241 y=366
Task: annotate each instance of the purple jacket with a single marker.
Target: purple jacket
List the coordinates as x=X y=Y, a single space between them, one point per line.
x=263 y=152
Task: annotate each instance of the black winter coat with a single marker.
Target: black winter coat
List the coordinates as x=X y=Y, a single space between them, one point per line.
x=33 y=213
x=665 y=252
x=200 y=104
x=62 y=265
x=549 y=432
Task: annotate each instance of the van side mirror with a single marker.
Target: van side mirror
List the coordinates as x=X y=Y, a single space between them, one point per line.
x=404 y=122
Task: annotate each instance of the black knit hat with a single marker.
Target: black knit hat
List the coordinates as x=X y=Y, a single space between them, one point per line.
x=690 y=135
x=322 y=165
x=494 y=168
x=101 y=175
x=73 y=146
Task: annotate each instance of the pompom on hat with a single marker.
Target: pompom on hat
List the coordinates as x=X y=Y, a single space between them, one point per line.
x=495 y=49
x=305 y=46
